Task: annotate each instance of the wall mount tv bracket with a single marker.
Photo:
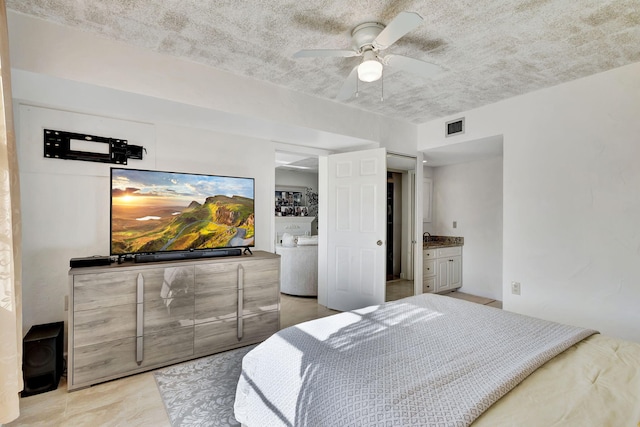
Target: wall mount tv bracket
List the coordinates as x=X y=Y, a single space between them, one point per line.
x=79 y=146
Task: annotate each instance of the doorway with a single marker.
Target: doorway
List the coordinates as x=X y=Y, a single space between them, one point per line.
x=394 y=231
x=403 y=223
x=400 y=226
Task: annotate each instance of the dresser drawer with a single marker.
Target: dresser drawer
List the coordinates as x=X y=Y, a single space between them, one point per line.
x=261 y=326
x=104 y=324
x=262 y=273
x=102 y=361
x=212 y=337
x=167 y=313
x=168 y=282
x=209 y=277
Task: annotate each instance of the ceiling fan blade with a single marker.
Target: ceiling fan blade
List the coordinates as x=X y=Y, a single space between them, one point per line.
x=412 y=65
x=324 y=53
x=398 y=27
x=350 y=85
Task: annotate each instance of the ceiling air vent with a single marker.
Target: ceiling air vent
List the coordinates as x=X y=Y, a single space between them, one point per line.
x=455 y=127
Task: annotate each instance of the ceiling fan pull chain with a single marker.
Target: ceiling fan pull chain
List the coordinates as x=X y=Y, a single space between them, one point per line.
x=382 y=88
x=357 y=87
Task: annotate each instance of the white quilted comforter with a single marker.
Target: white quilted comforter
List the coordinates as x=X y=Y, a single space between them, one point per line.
x=426 y=360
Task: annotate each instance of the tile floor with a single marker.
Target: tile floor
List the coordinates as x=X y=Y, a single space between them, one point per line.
x=399 y=288
x=473 y=298
x=135 y=400
x=295 y=310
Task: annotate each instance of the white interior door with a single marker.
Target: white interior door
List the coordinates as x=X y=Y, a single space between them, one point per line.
x=356 y=229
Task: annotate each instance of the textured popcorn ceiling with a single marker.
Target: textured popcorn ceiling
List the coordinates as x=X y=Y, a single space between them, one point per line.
x=489 y=50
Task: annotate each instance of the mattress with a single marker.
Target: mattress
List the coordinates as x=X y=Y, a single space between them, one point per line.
x=593 y=383
x=433 y=360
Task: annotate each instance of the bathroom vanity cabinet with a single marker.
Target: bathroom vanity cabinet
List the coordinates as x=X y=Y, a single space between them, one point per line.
x=441 y=269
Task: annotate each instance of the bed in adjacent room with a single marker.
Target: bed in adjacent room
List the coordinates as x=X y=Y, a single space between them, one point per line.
x=431 y=360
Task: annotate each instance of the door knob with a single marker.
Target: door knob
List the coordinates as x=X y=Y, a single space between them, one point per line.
x=379 y=242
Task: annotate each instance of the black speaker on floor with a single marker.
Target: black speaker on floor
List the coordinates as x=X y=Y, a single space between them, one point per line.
x=42 y=361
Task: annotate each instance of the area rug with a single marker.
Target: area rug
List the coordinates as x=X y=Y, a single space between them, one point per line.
x=201 y=392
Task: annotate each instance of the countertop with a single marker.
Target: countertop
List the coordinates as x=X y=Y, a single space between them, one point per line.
x=434 y=242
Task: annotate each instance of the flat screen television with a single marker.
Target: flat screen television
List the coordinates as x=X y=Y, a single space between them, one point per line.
x=155 y=211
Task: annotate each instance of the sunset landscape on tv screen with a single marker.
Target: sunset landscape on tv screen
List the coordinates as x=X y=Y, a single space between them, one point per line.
x=153 y=211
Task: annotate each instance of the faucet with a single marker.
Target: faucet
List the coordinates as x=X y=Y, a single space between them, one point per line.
x=425 y=236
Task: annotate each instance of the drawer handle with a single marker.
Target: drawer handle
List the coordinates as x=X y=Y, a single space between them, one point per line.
x=140 y=320
x=240 y=301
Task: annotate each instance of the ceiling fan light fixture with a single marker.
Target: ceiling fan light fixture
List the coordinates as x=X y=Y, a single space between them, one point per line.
x=370 y=69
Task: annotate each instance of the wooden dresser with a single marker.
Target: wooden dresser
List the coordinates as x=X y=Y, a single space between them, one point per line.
x=128 y=318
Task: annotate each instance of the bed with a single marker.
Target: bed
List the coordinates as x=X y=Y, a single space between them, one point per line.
x=431 y=360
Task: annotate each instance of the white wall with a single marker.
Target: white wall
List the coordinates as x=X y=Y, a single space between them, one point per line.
x=571 y=189
x=471 y=194
x=290 y=178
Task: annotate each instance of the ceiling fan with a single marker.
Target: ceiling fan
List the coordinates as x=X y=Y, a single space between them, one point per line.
x=369 y=40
